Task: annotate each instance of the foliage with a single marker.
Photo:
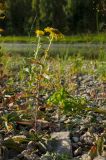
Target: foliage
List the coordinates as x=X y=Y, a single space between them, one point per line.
x=69 y=16
x=9 y=119
x=93 y=38
x=54 y=156
x=69 y=104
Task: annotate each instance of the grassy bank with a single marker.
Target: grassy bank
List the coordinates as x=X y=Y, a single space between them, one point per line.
x=93 y=38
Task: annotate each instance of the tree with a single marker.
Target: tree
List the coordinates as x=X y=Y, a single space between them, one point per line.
x=52 y=14
x=2 y=17
x=81 y=13
x=69 y=16
x=99 y=8
x=35 y=14
x=18 y=12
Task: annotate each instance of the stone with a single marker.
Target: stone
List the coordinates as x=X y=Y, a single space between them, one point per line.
x=74 y=146
x=78 y=151
x=83 y=129
x=75 y=139
x=104 y=153
x=85 y=157
x=87 y=138
x=60 y=143
x=20 y=156
x=31 y=145
x=63 y=118
x=46 y=156
x=99 y=158
x=29 y=155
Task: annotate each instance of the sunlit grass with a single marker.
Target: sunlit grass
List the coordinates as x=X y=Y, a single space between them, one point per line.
x=94 y=38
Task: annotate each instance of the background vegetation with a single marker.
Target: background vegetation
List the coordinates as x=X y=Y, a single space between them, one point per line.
x=69 y=16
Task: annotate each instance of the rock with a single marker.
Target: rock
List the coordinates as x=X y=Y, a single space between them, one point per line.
x=31 y=145
x=87 y=138
x=46 y=157
x=74 y=146
x=83 y=129
x=104 y=153
x=80 y=144
x=75 y=139
x=29 y=155
x=67 y=121
x=88 y=119
x=42 y=124
x=99 y=158
x=63 y=118
x=85 y=157
x=60 y=143
x=78 y=152
x=20 y=156
x=104 y=122
x=99 y=119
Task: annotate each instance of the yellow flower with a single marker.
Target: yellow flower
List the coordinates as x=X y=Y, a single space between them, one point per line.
x=1 y=30
x=48 y=29
x=39 y=33
x=53 y=33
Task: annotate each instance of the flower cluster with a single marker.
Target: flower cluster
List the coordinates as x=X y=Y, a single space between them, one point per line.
x=1 y=30
x=39 y=33
x=53 y=33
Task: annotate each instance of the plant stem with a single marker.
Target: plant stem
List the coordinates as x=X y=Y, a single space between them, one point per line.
x=48 y=48
x=50 y=42
x=37 y=48
x=37 y=105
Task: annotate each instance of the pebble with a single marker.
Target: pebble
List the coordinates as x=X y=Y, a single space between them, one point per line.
x=75 y=139
x=99 y=158
x=87 y=138
x=78 y=151
x=46 y=157
x=83 y=129
x=87 y=84
x=29 y=155
x=85 y=157
x=31 y=145
x=74 y=146
x=61 y=143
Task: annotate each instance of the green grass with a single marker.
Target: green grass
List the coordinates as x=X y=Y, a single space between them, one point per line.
x=93 y=38
x=17 y=39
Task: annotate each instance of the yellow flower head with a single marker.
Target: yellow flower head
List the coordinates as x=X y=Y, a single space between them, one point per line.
x=39 y=33
x=53 y=33
x=48 y=29
x=1 y=30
